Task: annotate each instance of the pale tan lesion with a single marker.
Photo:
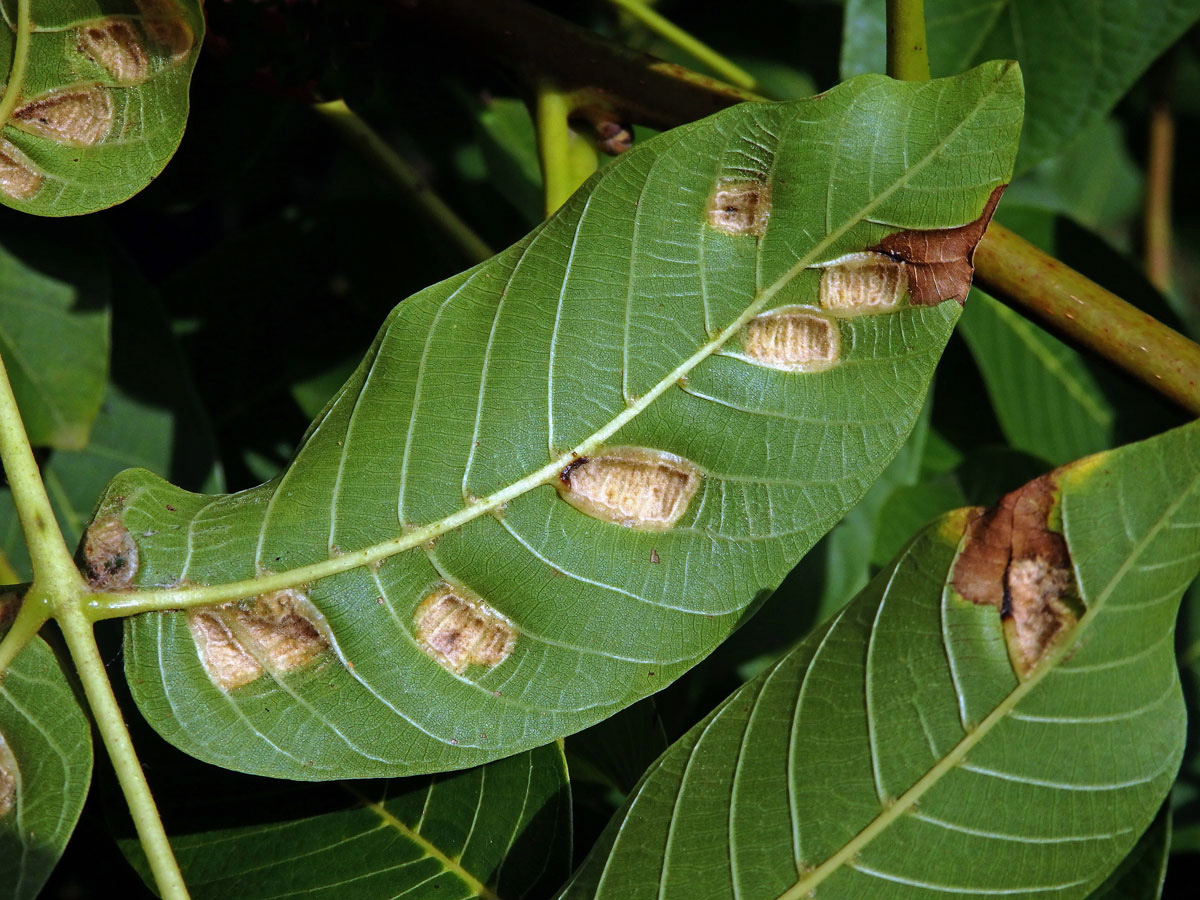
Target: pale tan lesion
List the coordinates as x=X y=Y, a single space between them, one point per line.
x=740 y=206
x=793 y=339
x=79 y=116
x=632 y=486
x=458 y=629
x=1038 y=591
x=117 y=45
x=862 y=283
x=278 y=632
x=110 y=554
x=8 y=778
x=19 y=178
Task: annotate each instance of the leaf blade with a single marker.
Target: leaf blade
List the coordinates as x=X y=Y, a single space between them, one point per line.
x=453 y=438
x=958 y=773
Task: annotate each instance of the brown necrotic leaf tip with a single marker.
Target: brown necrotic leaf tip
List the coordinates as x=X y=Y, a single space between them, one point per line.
x=1011 y=559
x=939 y=263
x=276 y=632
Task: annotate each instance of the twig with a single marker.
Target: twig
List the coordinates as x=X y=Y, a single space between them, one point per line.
x=1017 y=272
x=382 y=156
x=907 y=56
x=1160 y=153
x=689 y=44
x=554 y=139
x=634 y=86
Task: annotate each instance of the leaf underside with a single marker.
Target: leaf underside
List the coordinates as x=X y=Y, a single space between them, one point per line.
x=498 y=830
x=636 y=331
x=45 y=769
x=102 y=102
x=897 y=741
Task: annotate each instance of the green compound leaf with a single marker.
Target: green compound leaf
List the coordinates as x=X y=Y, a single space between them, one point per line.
x=1079 y=56
x=96 y=98
x=896 y=753
x=560 y=479
x=45 y=769
x=54 y=328
x=498 y=830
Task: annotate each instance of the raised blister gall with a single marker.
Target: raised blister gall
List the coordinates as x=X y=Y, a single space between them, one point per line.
x=8 y=778
x=116 y=45
x=863 y=283
x=79 y=116
x=110 y=555
x=740 y=206
x=794 y=339
x=237 y=641
x=18 y=177
x=458 y=629
x=228 y=663
x=633 y=486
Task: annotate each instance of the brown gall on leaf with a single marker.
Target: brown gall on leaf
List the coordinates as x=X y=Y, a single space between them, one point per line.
x=116 y=45
x=8 y=778
x=79 y=116
x=632 y=486
x=863 y=284
x=792 y=339
x=167 y=26
x=227 y=662
x=940 y=262
x=458 y=629
x=1012 y=560
x=277 y=632
x=18 y=176
x=110 y=555
x=740 y=206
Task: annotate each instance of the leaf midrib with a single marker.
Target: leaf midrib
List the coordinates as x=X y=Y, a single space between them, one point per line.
x=909 y=798
x=112 y=605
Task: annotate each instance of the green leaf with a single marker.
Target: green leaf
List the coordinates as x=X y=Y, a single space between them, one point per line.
x=633 y=331
x=1046 y=399
x=1079 y=57
x=499 y=830
x=1141 y=874
x=150 y=417
x=102 y=98
x=45 y=769
x=54 y=328
x=897 y=749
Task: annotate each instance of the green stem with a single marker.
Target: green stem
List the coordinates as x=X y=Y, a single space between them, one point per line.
x=554 y=145
x=1014 y=270
x=390 y=163
x=907 y=56
x=31 y=616
x=53 y=568
x=16 y=73
x=77 y=631
x=633 y=86
x=1160 y=155
x=695 y=48
x=8 y=574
